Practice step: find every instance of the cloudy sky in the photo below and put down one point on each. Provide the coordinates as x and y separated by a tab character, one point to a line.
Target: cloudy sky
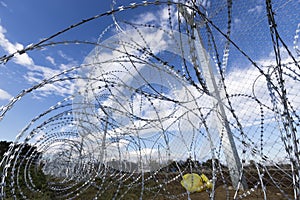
22	24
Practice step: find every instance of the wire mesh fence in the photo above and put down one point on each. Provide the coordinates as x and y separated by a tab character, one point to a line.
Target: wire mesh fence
170	88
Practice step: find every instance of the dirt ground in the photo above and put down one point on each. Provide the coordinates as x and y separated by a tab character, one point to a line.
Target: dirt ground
221	194
227	192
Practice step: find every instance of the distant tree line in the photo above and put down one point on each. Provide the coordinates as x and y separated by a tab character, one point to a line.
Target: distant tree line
15	185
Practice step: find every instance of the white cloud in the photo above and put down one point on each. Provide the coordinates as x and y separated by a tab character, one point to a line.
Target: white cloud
51	60
186	123
237	20
147	18
160	17
36	73
64	56
10	48
5	95
3	4
257	8
249	81
184	126
181	121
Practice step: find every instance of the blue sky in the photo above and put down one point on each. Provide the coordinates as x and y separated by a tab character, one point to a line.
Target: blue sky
22	24
26	23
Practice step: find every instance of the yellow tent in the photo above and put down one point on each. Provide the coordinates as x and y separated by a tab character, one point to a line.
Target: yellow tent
195	183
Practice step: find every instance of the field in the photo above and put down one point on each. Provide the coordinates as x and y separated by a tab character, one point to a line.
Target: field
101	182
164	186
